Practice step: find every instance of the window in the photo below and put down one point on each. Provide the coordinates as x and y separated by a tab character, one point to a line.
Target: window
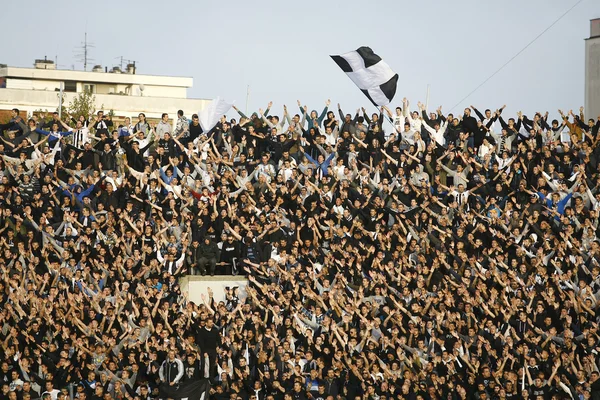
70	86
89	88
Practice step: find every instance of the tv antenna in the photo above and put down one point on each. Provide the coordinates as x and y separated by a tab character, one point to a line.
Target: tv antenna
125	61
83	55
58	66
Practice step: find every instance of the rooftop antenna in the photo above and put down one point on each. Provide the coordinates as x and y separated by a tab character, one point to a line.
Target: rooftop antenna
84	52
124	60
58	66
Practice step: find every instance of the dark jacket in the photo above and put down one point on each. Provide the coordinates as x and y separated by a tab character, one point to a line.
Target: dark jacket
210	339
209	250
136	160
469	124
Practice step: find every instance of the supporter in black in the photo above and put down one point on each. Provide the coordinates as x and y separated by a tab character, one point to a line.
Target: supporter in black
103	123
446	266
209	339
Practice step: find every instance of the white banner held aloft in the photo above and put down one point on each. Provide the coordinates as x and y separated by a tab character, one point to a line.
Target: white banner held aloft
209	115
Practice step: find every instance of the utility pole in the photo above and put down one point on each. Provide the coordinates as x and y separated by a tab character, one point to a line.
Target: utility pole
60	99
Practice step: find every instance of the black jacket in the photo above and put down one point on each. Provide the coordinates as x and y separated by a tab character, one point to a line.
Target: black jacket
209	250
136	160
469	124
209	339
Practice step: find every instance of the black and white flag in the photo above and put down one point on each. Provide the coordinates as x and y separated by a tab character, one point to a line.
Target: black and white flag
193	389
370	73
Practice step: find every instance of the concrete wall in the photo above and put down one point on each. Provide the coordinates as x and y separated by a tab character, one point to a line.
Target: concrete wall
126	106
98	77
592	78
129	90
195	286
28	84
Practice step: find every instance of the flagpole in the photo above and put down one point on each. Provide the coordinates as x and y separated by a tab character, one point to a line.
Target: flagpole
427	98
60	99
247	98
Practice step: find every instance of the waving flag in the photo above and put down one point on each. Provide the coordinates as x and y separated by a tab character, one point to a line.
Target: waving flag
210	114
370	73
195	389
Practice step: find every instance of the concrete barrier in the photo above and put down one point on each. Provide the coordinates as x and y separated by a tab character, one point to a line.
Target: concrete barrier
195	286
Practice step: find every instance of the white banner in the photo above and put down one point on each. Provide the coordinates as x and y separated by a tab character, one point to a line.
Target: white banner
210	115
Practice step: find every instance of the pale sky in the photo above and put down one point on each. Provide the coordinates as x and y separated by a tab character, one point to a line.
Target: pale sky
281	48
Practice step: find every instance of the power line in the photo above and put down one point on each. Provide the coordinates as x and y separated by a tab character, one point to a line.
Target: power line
516	55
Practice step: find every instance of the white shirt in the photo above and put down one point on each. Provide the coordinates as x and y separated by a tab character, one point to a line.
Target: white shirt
143	143
439	134
53	394
399	122
286	173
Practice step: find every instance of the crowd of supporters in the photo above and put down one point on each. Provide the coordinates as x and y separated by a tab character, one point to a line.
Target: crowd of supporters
405	254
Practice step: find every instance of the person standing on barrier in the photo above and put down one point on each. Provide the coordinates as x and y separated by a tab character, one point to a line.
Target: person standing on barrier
209	338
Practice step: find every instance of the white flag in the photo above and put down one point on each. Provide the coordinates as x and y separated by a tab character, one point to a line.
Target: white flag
209	115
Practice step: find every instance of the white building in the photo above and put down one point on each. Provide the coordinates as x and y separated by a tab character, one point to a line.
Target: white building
592	71
126	93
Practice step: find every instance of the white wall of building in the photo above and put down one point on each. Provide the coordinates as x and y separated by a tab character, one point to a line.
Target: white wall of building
28	84
97	77
31	89
126	106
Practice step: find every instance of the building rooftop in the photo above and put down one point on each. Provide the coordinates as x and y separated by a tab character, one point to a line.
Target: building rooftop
126	93
594	28
101	76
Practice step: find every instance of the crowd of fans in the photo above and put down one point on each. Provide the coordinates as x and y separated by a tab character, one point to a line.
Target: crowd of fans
434	256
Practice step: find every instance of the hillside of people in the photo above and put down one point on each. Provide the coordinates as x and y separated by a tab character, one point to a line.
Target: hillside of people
402	254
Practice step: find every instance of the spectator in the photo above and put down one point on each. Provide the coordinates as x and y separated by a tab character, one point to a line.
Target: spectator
171	370
163	126
441	257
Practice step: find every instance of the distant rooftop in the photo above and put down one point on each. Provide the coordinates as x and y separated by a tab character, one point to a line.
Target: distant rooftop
46	69
594	28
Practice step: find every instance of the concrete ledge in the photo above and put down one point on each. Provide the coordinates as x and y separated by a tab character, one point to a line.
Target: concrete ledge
196	285
217	278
